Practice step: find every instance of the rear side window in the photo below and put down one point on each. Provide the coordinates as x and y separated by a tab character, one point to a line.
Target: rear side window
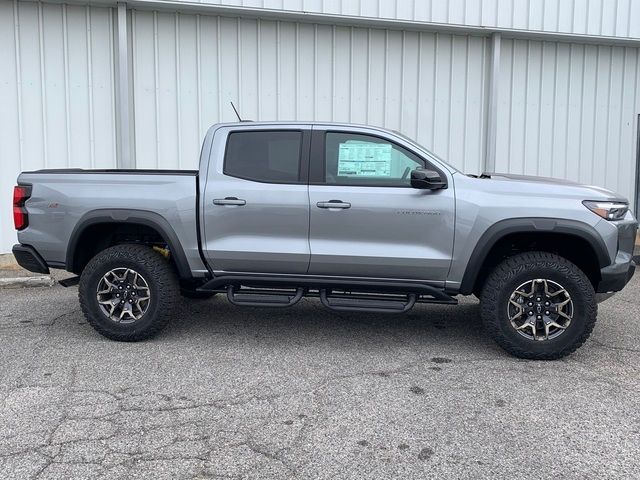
264	156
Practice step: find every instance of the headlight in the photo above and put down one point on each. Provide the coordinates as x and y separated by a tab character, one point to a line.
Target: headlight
608	210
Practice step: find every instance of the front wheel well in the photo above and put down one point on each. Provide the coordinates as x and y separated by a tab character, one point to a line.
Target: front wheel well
572	247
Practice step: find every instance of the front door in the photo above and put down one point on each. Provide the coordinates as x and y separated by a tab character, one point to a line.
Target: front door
256	203
366	220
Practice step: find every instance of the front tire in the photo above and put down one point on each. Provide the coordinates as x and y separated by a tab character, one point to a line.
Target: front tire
128	292
538	305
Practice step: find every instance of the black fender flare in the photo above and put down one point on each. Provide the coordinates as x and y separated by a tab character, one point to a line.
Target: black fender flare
506	227
133	217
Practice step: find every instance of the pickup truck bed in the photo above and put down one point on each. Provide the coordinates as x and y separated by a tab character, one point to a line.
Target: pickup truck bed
161	199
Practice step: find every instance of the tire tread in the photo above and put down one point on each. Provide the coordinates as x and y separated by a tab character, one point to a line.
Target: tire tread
163	274
508	269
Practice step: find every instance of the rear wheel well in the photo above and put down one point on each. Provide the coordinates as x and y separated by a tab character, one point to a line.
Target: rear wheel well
100	236
572	247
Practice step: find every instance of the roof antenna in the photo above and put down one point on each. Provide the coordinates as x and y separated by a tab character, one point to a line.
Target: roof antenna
234	109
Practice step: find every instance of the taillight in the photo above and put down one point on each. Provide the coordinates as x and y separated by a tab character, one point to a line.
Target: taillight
21	193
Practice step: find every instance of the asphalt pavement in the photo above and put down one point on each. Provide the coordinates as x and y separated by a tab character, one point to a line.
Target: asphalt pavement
229	392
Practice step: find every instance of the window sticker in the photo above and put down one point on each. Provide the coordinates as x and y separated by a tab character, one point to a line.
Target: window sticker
364	160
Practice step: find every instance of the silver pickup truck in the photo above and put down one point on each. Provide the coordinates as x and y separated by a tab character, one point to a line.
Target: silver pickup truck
362	218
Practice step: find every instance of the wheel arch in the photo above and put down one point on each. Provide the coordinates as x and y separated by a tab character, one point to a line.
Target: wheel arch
105	218
560	231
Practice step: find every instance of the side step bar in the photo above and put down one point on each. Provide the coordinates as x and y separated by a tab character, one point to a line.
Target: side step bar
368	303
263	298
351	295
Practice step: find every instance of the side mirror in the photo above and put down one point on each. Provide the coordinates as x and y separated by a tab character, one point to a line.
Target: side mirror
427	179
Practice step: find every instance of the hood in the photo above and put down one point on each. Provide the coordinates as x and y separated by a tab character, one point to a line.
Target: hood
599	193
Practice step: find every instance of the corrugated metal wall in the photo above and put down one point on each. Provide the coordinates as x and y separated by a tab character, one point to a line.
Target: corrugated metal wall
56	93
569	111
188	68
617	18
564	110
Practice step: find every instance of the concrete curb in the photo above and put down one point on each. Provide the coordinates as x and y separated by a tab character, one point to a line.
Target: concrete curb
21	282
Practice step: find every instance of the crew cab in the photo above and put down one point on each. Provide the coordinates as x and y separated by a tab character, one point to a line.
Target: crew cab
363	218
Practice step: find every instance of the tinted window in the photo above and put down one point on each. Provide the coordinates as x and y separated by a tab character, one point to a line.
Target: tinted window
354	159
272	157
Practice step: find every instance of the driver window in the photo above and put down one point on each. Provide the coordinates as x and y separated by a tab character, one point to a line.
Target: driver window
356	159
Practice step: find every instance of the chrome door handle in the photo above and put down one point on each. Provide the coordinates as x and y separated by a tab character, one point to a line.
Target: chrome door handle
333	204
229	201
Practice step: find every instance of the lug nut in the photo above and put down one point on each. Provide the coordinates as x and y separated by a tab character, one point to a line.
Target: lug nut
530	304
117	294
547	303
539	317
530	313
546	312
538	299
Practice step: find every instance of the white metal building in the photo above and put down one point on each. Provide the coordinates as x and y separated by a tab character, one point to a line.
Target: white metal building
543	87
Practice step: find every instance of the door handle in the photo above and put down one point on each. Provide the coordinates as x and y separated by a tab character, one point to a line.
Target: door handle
229	201
333	204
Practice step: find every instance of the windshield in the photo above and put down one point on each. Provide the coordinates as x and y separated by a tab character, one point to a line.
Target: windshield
426	150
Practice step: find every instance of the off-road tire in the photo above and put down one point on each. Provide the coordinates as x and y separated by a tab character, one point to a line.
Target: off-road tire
163	286
514	271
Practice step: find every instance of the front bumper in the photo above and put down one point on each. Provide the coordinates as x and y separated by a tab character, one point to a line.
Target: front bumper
615	277
29	259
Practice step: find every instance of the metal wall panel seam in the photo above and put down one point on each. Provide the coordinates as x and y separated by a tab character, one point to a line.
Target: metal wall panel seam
296	69
156	84
199	74
124	159
239	61
178	92
384	77
18	67
554	98
350	74
582	82
43	86
595	103
636	106
402	69
608	125
259	65
419	83
92	149
465	105
333	71
491	127
436	41
134	72
114	141
451	96
540	109
315	70
621	117
566	143
65	53
219	68
277	70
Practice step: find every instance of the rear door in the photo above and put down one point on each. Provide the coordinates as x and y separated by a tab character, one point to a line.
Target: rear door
256	203
366	220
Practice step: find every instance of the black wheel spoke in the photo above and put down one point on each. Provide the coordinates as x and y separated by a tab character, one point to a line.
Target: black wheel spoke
540	309
123	295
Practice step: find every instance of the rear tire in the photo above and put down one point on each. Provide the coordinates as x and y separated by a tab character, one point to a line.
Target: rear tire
518	291
113	287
